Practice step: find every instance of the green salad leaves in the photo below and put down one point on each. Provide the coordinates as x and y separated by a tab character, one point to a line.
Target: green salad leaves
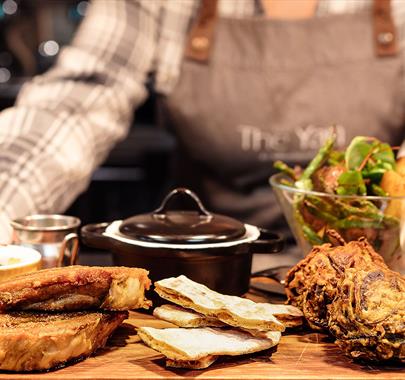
365	161
353	173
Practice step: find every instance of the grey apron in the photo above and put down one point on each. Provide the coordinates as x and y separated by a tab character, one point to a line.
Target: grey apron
252	91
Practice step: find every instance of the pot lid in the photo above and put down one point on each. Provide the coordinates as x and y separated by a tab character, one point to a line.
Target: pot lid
182	226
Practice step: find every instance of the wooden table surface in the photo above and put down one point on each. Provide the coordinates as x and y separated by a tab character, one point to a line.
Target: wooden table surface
300	355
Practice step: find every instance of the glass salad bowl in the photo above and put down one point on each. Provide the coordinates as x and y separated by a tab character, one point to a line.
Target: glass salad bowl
381	219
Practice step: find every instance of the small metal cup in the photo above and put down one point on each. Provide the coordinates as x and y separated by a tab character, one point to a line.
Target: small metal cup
54	236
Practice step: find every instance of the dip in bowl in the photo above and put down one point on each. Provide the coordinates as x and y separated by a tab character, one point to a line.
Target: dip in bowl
15	260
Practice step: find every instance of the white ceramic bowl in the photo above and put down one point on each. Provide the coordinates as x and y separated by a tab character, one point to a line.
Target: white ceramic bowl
15	260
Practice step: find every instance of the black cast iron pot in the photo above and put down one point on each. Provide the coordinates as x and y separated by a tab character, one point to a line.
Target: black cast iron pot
208	248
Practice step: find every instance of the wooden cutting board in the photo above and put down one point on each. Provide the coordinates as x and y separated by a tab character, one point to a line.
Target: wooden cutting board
302	355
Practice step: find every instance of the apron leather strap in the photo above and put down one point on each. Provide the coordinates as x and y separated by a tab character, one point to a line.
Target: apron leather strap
200	37
385	40
199	40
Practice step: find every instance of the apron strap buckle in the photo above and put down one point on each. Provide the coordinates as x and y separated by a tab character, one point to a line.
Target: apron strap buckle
199	40
385	40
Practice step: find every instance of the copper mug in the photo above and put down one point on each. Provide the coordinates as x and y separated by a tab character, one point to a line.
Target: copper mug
54	236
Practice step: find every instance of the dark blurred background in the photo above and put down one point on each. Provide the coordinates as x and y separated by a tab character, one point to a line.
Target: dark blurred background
135	176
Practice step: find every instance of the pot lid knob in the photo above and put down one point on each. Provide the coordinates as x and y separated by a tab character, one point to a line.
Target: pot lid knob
161	212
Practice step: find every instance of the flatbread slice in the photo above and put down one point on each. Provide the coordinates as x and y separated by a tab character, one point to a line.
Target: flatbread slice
179	344
185	318
289	316
232	310
272	335
188	318
76	288
192	364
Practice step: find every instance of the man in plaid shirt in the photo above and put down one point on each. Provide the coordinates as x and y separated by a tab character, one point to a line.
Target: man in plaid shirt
66	121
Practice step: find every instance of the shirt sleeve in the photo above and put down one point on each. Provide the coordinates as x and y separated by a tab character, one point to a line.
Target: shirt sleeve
65	122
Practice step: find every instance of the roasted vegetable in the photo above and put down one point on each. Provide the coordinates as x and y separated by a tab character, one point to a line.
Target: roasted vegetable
347	289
